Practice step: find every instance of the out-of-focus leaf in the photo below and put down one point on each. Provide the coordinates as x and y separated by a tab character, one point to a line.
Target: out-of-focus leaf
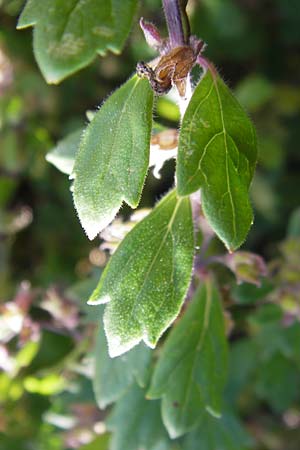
53	348
225	433
294	224
254	91
217	153
100	443
113	156
246	293
47	385
146	279
136	424
243	361
80	292
26	354
192	369
278	383
114	376
69	34
246	266
63	155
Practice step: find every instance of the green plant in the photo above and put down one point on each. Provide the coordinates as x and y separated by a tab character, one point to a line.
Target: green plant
167	266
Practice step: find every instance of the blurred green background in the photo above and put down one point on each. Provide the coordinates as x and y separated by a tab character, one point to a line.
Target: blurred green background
47	265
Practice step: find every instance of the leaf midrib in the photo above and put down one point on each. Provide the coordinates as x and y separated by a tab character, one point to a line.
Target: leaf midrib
147	275
207	311
226	160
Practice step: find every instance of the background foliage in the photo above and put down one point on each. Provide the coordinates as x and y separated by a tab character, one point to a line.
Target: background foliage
47	266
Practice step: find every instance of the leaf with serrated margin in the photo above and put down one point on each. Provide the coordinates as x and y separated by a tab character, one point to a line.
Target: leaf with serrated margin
146	279
136	424
217	152
113	156
113	377
69	34
191	372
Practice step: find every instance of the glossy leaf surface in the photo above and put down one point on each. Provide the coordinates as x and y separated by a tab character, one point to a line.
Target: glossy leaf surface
113	377
70	33
217	153
191	372
113	156
146	279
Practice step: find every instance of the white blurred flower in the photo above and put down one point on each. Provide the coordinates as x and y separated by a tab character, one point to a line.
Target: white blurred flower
163	147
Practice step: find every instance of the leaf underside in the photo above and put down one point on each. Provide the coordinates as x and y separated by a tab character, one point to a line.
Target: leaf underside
146	279
217	153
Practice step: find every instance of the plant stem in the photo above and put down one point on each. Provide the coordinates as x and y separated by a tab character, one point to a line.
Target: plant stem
173	14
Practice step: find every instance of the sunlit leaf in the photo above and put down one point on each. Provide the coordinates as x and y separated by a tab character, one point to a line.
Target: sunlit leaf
191	372
69	34
146	279
113	156
217	153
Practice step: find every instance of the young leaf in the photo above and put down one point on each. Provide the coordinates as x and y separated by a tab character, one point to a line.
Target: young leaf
217	152
148	276
191	372
136	424
113	377
225	433
69	34
63	155
113	156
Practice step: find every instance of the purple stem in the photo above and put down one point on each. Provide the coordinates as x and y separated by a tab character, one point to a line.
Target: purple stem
174	22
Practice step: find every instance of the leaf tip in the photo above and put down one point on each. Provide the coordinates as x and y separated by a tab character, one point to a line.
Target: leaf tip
98	301
213	412
117	348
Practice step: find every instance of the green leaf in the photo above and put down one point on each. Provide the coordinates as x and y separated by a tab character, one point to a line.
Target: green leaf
191	372
69	34
113	156
243	362
278	383
113	377
293	230
123	12
246	293
63	155
225	433
136	424
146	279
217	152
